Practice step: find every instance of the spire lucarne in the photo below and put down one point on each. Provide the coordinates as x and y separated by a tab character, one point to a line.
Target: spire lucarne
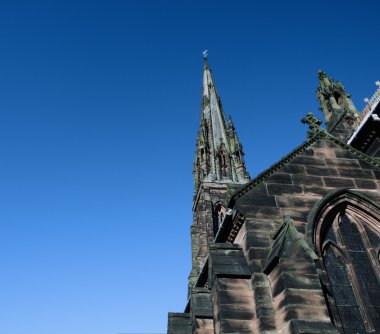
219	169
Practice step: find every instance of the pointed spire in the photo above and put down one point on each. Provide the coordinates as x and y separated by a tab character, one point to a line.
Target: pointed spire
219	156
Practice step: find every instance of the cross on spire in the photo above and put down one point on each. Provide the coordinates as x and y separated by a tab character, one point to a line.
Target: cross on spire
313	122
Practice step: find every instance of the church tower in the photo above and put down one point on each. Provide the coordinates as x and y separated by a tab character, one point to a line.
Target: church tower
219	170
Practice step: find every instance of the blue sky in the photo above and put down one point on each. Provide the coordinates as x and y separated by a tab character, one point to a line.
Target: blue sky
99	109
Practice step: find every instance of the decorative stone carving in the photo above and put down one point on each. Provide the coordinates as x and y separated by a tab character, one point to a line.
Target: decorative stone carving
313	122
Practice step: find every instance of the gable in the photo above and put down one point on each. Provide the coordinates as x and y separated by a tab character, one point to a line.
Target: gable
304	178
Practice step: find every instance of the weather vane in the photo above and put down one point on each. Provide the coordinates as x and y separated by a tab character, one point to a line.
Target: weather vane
205	54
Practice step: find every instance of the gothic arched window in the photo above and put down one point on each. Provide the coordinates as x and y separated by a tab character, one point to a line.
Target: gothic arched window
346	234
202	154
224	163
205	132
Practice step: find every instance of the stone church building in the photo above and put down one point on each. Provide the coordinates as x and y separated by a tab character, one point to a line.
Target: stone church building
297	248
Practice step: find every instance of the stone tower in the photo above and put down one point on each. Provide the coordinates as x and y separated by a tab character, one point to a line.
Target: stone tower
218	170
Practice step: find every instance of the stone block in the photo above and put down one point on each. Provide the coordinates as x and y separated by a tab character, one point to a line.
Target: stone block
307	180
255	265
179	323
321	171
264	309
294	281
259	239
315	190
281	178
340	153
366	165
267	325
356	173
376	172
294	169
308	161
240	312
339	182
237	326
260	225
234	284
234	298
282	189
262	294
229	260
203	326
297	267
345	163
300	297
366	184
256	199
297	312
201	303
301	202
260	280
257	253
259	212
297	215
231	270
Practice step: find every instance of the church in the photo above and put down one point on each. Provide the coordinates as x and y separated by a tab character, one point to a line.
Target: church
297	248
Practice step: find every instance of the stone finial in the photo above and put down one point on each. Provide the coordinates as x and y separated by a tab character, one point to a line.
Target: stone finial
321	75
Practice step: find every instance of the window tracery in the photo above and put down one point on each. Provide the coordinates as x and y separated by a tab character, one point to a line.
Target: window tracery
347	238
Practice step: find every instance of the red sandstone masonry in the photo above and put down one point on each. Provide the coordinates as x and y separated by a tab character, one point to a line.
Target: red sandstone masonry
296	188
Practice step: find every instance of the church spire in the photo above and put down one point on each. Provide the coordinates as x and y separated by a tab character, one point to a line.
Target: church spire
219	170
219	155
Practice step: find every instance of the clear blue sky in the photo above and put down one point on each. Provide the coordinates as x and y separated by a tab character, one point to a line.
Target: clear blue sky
99	109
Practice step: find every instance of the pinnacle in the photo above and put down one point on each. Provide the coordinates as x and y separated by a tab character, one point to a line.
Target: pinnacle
321	74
